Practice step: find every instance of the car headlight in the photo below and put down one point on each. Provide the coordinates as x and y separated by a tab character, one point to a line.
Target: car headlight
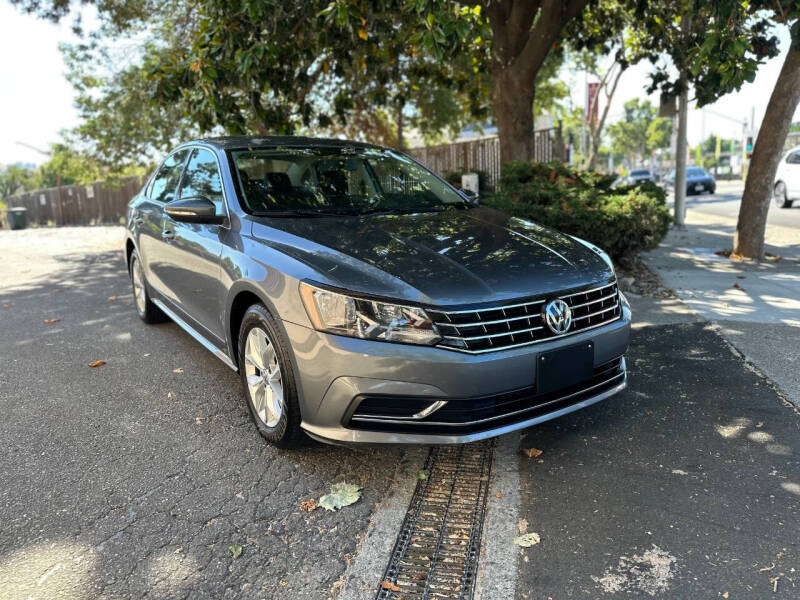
601	253
367	319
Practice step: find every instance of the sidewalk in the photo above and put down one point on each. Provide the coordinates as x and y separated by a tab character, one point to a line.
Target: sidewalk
755	306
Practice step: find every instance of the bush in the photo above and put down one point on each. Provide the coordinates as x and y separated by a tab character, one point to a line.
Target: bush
621	221
454	179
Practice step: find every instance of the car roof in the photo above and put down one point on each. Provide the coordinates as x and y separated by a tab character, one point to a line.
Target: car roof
270	141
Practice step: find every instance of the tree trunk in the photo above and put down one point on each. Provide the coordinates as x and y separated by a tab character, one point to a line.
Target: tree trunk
748	241
399	120
513	105
596	135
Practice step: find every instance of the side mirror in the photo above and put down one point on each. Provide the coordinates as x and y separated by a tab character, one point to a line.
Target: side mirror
197	209
470	196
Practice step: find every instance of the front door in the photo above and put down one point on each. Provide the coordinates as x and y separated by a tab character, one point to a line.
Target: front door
150	218
191	268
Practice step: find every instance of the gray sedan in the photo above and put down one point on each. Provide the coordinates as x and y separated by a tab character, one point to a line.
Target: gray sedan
365	300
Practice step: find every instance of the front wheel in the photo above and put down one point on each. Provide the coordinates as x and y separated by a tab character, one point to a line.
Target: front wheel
268	379
781	196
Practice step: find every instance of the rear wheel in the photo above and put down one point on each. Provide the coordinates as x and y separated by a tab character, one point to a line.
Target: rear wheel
268	379
781	196
147	311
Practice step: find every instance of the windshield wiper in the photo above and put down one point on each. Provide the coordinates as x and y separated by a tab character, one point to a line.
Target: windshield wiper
402	211
300	212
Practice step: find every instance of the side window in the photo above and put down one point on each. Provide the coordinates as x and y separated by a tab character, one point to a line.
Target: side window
793	158
166	180
202	179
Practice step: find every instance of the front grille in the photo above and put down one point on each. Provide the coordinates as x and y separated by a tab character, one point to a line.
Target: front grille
458	416
488	329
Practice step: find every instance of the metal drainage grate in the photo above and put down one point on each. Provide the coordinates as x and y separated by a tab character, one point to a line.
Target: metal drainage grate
436	552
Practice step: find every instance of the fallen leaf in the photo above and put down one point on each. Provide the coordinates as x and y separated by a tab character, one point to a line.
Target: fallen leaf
178	550
170	396
53	320
421	475
198	420
240	495
146	354
498	495
388	585
738	287
527	540
308	505
97	363
342	494
522	526
726	595
112	298
532	452
179	371
236	550
283	583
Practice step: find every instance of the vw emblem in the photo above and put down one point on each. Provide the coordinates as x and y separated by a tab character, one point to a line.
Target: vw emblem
558	316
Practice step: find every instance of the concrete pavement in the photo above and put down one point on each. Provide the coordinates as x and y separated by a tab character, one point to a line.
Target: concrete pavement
755	306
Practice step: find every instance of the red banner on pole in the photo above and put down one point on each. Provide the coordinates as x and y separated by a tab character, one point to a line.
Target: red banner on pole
592	97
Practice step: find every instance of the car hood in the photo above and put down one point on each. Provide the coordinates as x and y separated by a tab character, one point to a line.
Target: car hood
453	257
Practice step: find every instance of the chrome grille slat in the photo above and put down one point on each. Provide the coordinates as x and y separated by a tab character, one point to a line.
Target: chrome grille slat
490	333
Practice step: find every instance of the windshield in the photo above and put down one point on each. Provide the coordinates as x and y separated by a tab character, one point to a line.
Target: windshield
640	173
696	172
313	181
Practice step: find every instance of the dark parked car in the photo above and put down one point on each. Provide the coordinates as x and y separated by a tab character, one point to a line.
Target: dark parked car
364	299
699	180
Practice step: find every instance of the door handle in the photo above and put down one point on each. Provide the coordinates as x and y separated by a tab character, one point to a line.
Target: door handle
138	220
167	234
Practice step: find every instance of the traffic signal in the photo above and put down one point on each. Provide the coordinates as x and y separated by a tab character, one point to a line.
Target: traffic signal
748	151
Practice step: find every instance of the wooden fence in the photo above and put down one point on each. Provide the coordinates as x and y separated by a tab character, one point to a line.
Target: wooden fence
482	154
78	204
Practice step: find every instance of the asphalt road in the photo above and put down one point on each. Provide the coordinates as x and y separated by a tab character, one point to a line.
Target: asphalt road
134	479
726	204
130	480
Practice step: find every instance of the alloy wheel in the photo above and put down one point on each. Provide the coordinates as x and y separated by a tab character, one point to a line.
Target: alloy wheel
263	374
139	293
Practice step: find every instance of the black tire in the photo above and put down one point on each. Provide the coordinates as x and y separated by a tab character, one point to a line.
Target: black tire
286	433
147	311
780	196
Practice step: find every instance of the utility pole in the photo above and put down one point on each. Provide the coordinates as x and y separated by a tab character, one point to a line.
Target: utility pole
680	145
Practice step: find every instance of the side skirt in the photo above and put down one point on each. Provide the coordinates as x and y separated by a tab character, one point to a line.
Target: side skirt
207	344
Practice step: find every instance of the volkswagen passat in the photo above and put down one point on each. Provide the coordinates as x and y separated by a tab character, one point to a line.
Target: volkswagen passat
363	299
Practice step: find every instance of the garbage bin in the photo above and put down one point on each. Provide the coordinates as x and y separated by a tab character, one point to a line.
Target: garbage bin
17	218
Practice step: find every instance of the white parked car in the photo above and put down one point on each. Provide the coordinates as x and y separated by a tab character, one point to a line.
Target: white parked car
787	179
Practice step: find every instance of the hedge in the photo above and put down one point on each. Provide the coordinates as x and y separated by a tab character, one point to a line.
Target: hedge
621	220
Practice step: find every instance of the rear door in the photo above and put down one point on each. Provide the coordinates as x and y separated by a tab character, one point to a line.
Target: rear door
191	266
150	215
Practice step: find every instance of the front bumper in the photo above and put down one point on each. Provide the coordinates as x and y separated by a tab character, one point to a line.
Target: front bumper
495	392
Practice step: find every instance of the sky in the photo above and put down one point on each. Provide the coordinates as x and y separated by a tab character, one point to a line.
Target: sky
37	101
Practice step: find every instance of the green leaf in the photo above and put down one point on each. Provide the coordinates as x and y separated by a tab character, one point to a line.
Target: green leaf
236	550
527	540
421	475
342	494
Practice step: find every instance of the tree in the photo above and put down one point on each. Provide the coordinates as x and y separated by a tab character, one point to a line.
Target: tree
640	132
13	180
